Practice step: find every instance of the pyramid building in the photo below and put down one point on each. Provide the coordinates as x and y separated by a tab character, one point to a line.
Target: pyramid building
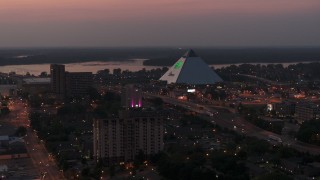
191	69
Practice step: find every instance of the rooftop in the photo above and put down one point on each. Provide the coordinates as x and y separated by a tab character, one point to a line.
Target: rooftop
36	80
191	69
4	138
190	53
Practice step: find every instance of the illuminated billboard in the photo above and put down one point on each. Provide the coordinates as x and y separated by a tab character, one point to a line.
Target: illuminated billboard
191	90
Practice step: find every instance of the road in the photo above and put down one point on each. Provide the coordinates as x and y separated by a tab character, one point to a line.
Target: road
264	80
36	149
237	123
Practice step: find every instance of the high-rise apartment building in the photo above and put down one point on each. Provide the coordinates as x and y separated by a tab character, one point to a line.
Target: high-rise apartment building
78	83
69	83
58	79
121	139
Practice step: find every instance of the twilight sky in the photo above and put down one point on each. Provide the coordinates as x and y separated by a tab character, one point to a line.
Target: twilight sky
114	23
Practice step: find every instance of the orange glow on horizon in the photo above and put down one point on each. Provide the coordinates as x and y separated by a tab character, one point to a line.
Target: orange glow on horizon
83	10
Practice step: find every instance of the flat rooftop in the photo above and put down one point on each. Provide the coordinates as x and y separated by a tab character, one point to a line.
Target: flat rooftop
36	80
4	138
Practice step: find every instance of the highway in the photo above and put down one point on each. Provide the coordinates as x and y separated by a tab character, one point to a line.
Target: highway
234	122
36	149
264	80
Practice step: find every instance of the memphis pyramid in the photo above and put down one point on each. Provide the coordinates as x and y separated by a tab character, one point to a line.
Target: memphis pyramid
191	69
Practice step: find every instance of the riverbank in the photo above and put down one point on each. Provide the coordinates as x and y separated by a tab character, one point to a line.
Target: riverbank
94	67
156	56
247	55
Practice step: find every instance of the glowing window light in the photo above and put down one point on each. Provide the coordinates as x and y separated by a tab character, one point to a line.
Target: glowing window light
178	65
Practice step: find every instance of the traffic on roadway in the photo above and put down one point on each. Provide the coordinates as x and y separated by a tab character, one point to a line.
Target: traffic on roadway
235	122
41	159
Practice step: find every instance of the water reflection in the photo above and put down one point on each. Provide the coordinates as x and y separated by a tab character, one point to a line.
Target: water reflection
36	69
131	65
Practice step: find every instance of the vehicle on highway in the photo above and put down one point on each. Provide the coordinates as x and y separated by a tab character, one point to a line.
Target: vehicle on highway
209	113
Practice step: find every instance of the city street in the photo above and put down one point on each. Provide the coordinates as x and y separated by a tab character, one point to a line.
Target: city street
234	122
36	149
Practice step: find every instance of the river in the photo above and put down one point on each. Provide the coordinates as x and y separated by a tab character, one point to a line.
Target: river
133	65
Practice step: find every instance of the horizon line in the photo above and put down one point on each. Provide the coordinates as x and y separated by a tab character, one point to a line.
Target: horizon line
165	47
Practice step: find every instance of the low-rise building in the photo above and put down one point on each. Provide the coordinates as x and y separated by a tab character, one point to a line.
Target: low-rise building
12	148
8	89
283	109
36	85
306	111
